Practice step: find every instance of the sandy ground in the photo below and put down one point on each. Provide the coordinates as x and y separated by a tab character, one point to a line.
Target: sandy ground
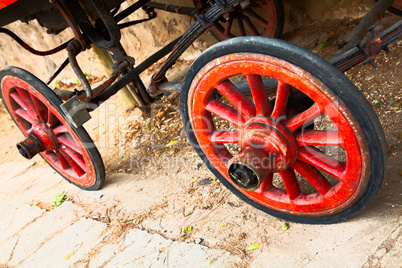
163	189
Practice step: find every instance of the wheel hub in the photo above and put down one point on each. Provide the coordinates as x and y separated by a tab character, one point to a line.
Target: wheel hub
266	147
40	139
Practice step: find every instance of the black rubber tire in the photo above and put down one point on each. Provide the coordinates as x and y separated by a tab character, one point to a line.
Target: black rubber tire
328	75
280	13
81	133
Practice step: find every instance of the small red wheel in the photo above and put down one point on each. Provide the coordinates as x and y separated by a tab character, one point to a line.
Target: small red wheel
261	18
311	150
35	108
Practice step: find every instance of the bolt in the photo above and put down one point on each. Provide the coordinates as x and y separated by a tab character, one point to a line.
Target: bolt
243	176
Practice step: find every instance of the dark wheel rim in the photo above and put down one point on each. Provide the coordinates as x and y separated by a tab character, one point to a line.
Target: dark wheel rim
263	125
259	19
37	117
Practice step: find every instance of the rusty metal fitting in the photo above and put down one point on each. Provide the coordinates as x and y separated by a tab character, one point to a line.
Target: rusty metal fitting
249	168
29	147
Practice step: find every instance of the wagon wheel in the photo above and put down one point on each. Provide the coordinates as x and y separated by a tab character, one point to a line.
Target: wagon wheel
396	7
35	109
265	149
261	18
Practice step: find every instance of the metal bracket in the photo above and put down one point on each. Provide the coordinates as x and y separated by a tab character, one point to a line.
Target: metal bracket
76	111
363	50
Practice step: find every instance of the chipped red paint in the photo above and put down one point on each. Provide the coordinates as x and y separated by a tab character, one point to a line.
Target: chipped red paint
35	116
4	3
279	132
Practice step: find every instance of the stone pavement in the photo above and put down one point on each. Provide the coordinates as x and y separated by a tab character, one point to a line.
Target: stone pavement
67	236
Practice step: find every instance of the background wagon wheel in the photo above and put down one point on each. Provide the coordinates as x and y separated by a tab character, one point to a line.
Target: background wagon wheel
396	7
261	18
321	163
35	109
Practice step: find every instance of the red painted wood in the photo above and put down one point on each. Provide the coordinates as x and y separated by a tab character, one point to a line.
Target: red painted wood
329	198
262	104
62	148
319	137
4	3
290	181
237	99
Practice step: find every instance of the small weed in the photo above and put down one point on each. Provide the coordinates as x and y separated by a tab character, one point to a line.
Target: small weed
58	199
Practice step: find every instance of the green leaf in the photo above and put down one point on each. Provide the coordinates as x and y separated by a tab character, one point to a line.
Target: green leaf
391	102
326	43
218	190
183	231
285	226
58	199
188	212
395	108
170	143
189	229
210	261
253	246
377	102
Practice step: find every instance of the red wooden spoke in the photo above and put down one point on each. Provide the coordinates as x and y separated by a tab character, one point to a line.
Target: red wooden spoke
51	119
20	102
77	158
319	137
72	164
315	178
225	137
290	181
241	27
60	129
27	99
282	96
225	112
318	159
251	14
262	105
63	162
67	141
237	99
266	184
303	118
40	109
24	115
228	27
250	26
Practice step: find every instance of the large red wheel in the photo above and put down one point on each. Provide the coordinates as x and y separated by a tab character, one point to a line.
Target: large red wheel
35	109
310	150
260	18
